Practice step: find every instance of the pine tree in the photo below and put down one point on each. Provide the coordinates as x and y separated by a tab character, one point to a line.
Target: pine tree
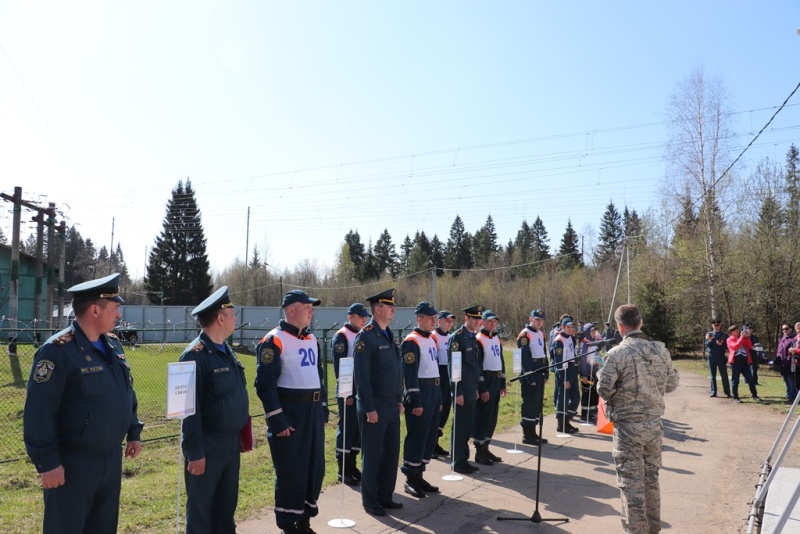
385	255
178	266
569	251
369	268
356	250
458	254
405	250
632	228
611	233
437	255
540	242
485	249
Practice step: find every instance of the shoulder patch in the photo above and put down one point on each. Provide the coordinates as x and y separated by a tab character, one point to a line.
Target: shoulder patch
523	340
410	357
368	328
63	340
198	347
360	346
267	355
43	372
454	346
338	348
559	351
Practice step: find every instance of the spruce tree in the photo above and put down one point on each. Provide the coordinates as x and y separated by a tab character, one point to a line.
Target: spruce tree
356	251
385	255
178	266
540	243
458	254
437	255
485	249
569	251
611	233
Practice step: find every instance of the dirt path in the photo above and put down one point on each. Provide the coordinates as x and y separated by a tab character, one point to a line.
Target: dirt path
713	451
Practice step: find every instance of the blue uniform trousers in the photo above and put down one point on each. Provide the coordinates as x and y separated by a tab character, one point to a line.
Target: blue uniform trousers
212	496
531	409
573	394
380	451
463	424
299	461
486	412
447	400
348	437
719	362
739	366
422	431
88	502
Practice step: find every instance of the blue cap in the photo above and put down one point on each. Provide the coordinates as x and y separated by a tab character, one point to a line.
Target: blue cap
296	295
588	327
489	314
444	314
537	314
218	300
385	297
567	321
474	311
425	308
102	288
358	309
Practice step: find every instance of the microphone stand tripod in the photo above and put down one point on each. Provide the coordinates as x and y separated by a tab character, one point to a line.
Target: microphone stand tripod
537	518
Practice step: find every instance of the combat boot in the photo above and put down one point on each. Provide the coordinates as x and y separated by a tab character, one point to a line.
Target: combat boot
348	479
425	485
481	457
352	466
491	456
569	428
413	487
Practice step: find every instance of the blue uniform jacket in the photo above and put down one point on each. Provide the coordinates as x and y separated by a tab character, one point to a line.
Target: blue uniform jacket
222	404
339	345
268	370
464	341
378	367
79	400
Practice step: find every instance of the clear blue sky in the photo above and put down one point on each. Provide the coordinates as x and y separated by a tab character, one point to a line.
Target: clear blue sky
327	116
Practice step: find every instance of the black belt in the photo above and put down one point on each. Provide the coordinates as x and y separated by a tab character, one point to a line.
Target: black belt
287	395
498	374
429	381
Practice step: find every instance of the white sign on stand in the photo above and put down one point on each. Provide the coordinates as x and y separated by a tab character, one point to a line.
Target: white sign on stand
181	389
455	367
345	377
517	360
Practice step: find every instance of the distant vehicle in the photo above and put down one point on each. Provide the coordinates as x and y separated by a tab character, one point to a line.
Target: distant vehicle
127	333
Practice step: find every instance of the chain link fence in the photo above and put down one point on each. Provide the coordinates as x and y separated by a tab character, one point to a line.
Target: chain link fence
149	349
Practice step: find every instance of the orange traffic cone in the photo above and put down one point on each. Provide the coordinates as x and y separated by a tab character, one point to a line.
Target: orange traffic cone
604	426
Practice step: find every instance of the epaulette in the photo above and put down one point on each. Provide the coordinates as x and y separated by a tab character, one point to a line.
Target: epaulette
198	347
112	335
368	328
64	339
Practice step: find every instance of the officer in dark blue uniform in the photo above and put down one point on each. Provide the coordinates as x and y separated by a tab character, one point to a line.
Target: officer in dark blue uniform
210	438
566	360
534	362
348	438
80	405
466	390
422	400
379	391
289	384
491	386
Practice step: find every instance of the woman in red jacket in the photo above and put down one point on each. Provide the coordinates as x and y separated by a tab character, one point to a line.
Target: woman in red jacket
739	346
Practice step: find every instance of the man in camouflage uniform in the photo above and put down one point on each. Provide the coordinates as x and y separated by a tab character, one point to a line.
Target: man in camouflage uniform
637	374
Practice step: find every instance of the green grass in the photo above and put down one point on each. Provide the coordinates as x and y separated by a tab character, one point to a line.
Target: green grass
150	483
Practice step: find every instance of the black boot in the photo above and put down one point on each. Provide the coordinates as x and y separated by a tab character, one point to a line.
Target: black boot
569	428
491	456
304	525
441	451
481	457
352	466
425	485
348	479
413	487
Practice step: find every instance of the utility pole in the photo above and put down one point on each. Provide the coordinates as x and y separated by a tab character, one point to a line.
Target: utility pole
37	285
433	288
13	305
247	240
62	233
111	251
51	225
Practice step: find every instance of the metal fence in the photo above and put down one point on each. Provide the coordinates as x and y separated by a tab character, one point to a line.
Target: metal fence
149	348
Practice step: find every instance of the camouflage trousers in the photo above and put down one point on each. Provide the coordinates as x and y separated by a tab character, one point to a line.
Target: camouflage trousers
637	455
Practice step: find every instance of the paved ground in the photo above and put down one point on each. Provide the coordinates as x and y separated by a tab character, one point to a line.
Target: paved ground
713	451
